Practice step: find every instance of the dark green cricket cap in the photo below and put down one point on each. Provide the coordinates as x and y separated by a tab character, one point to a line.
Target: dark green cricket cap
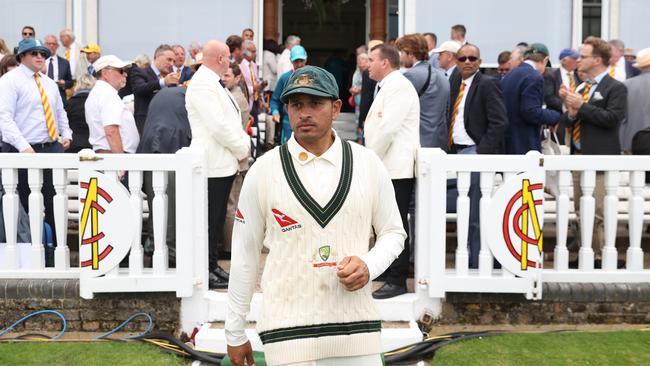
310	80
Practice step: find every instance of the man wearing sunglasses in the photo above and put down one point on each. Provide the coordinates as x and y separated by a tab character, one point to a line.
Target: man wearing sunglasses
32	118
110	124
477	125
27	32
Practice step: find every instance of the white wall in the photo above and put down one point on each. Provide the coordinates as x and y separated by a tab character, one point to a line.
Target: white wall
634	25
46	16
128	28
495	26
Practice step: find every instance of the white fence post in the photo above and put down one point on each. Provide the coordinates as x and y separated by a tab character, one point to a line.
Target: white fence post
635	222
136	255
485	259
462	223
587	212
159	213
561	254
10	202
62	252
35	181
610	256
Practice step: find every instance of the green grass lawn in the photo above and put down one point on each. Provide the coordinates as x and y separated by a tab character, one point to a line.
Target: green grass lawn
85	353
561	348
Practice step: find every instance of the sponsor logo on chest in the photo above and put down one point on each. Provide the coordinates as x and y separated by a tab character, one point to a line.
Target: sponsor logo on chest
286	222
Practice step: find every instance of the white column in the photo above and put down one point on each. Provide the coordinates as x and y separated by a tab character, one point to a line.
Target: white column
587	212
605	19
561	254
614	19
635	221
77	21
159	222
485	259
462	223
135	257
10	202
35	181
576	24
610	256
62	252
409	11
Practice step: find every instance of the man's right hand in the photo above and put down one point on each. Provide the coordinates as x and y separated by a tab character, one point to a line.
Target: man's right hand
241	355
276	118
172	79
28	150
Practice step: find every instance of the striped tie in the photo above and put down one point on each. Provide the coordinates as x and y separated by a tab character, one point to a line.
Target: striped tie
612	71
255	94
572	82
576	126
454	112
49	117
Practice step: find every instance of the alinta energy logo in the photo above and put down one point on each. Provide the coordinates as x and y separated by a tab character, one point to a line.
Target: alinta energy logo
90	214
524	220
286	223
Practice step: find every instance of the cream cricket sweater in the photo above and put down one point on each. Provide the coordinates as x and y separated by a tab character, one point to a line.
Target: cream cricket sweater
311	213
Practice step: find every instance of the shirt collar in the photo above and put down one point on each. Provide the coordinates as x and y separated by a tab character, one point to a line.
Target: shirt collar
27	71
332	155
531	63
155	69
599	77
469	80
390	75
564	71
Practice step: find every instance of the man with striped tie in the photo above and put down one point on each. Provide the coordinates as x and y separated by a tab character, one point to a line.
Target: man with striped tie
477	125
594	114
32	118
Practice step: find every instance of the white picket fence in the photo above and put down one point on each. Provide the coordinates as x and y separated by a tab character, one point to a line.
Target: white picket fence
627	201
26	260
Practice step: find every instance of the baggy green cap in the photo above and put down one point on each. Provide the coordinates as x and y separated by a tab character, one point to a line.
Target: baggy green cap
311	80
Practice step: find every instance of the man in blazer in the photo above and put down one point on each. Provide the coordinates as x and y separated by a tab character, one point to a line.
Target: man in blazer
392	131
638	108
477	125
620	68
368	86
58	68
595	112
523	92
432	88
146	82
215	121
567	75
179	64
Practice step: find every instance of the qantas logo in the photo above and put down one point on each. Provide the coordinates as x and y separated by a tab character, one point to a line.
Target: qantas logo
286	223
239	217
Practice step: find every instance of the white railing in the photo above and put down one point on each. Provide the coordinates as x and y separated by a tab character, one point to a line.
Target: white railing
26	260
627	201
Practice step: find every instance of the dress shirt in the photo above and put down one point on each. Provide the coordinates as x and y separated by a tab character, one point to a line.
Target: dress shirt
620	72
245	67
320	176
284	62
594	83
565	77
73	59
460	135
161	80
105	108
55	67
22	118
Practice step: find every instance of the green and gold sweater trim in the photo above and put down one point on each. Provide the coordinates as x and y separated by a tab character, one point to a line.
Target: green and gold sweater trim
320	330
322	215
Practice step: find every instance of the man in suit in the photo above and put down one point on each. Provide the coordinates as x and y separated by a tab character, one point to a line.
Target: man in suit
503	60
476	126
368	91
432	42
638	108
72	54
392	131
57	68
146	82
523	92
620	68
447	57
432	88
567	75
215	121
179	64
595	112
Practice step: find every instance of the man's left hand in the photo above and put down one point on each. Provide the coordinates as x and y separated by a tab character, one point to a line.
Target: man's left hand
353	273
66	143
574	100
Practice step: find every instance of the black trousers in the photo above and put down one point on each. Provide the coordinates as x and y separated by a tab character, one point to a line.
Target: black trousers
398	271
48	187
218	192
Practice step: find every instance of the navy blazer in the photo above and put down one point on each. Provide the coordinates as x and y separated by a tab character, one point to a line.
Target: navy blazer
523	92
485	114
145	85
64	74
186	74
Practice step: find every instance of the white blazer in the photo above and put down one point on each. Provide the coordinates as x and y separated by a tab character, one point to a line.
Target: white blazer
392	127
216	125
